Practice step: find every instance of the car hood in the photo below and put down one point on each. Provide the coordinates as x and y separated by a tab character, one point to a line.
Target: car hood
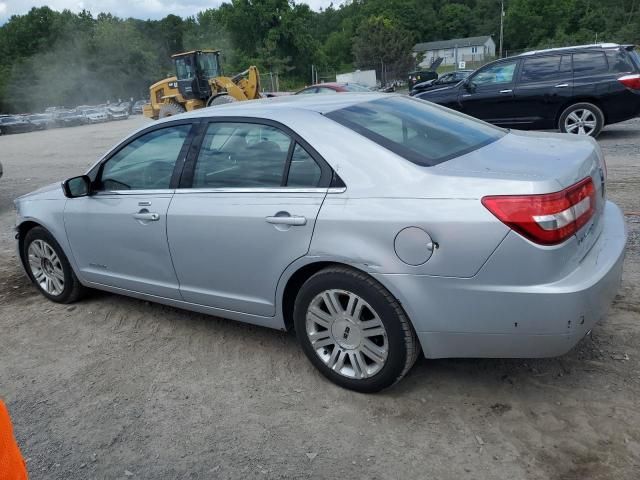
48	192
442	88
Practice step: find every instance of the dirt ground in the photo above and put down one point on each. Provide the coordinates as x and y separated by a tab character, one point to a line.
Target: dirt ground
113	387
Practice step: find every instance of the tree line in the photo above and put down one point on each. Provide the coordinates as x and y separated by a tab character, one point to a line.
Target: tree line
50	58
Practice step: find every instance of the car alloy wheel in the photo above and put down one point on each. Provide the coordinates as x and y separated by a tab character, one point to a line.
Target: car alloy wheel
581	122
347	334
46	267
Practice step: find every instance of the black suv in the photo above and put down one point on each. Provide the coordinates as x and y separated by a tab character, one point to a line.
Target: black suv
575	89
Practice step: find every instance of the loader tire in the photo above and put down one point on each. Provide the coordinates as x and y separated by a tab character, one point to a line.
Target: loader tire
220	100
170	109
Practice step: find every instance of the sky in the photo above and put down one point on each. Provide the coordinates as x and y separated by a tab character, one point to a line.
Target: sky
143	9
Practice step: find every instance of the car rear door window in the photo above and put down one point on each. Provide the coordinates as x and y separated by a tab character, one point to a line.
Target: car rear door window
147	163
539	69
241	155
589	63
303	170
619	61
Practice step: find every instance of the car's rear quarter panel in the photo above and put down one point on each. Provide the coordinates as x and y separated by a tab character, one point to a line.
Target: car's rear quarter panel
363	230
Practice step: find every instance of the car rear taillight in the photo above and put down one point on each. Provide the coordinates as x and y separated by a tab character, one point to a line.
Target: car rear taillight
631	81
546	219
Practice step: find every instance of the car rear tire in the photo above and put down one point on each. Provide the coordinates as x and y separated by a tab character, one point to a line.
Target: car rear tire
170	109
49	268
582	119
353	330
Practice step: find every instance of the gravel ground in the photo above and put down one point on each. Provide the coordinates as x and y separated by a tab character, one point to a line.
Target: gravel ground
113	387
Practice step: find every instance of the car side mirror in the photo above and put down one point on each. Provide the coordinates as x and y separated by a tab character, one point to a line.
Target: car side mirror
75	187
468	85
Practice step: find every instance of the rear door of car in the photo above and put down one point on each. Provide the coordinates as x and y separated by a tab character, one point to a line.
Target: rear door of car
591	75
545	84
245	210
489	93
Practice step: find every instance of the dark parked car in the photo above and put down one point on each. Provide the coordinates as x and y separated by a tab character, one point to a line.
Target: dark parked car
575	89
334	87
445	79
420	76
14	124
41	121
70	119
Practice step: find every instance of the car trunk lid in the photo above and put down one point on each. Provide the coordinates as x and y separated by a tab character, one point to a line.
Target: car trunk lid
517	165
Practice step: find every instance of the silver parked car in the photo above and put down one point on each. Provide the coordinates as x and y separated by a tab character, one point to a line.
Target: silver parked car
375	225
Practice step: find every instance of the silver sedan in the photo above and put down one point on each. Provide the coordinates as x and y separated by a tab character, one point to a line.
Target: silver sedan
376	226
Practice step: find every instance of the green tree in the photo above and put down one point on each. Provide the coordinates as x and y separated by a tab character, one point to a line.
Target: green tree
381	44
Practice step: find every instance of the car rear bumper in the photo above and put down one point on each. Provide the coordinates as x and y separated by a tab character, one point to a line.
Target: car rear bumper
456	317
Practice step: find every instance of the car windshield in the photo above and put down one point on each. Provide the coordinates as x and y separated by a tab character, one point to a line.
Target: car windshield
354	87
419	131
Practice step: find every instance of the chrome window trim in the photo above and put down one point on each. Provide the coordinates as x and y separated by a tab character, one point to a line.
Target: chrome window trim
105	193
289	190
186	191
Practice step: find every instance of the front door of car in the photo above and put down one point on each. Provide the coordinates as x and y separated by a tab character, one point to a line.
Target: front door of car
247	211
488	93
118	233
545	84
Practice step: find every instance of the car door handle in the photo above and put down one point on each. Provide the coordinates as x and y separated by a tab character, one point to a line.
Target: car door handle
149	217
506	91
286	220
562	85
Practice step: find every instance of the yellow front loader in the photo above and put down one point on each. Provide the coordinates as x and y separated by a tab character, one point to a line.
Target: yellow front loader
199	83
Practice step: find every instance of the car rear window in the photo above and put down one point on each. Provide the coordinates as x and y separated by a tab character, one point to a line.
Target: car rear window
423	133
619	61
635	57
354	87
589	63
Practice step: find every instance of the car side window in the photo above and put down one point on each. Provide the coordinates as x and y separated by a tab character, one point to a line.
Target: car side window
619	61
589	63
496	74
326	90
147	163
549	67
303	170
306	91
241	155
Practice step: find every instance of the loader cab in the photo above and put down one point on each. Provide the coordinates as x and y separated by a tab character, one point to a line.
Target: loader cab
193	71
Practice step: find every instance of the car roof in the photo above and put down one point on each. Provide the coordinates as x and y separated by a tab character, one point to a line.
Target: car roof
594	46
274	106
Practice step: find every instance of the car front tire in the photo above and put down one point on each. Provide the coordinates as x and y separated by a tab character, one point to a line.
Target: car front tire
353	330
49	268
582	119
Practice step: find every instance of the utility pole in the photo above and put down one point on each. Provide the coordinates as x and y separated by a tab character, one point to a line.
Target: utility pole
456	56
501	24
